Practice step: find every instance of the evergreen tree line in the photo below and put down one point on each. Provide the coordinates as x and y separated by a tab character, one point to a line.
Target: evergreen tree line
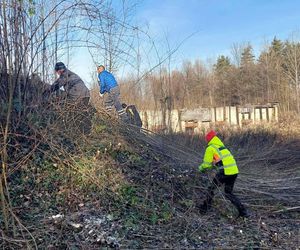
240	80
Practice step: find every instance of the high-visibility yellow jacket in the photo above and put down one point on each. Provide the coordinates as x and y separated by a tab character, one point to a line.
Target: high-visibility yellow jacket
216	153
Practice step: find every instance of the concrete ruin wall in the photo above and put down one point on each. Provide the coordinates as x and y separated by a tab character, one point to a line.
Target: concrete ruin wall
196	120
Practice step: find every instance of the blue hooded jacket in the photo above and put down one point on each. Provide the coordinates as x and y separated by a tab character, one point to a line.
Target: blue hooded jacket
106	81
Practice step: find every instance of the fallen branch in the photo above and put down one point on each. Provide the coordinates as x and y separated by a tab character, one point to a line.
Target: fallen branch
288	209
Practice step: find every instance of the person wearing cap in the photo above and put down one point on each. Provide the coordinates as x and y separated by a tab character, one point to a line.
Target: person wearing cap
109	89
76	99
219	157
73	85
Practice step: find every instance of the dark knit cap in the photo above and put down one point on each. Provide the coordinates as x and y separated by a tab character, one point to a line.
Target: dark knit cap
60	66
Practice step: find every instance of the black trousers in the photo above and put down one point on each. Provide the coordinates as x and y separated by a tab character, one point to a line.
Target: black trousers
228	181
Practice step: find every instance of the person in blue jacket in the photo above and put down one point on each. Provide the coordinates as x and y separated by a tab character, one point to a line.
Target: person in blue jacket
109	89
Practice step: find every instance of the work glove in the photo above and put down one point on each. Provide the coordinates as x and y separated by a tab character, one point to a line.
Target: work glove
101	95
54	87
202	169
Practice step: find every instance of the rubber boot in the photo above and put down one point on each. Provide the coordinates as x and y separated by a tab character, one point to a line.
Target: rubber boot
244	213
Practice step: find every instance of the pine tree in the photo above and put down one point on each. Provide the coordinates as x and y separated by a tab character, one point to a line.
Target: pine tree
223	69
276	46
247	56
222	65
247	75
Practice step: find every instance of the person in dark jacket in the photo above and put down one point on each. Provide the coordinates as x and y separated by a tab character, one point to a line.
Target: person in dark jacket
76	98
110	90
73	85
133	115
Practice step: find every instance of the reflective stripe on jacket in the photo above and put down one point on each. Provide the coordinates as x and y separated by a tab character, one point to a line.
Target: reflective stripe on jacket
216	152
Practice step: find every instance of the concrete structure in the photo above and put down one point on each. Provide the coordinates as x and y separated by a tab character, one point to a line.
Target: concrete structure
196	120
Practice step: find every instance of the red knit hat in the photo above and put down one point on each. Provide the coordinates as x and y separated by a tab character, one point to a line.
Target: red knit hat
211	134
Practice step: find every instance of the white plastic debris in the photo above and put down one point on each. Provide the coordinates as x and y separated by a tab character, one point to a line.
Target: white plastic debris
111	239
94	221
110	217
58	216
75	225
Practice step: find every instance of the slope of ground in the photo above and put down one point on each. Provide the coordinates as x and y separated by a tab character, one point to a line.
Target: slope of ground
119	187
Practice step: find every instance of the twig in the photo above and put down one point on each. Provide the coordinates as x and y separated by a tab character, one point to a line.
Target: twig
288	209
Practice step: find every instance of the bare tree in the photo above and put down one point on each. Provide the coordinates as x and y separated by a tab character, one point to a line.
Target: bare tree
291	66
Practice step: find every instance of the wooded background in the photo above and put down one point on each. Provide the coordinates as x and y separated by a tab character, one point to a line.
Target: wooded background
272	76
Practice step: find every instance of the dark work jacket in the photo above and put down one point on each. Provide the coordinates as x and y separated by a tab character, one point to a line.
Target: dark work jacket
73	85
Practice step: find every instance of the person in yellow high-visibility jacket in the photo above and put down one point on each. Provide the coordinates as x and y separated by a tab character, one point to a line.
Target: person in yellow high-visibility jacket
219	157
